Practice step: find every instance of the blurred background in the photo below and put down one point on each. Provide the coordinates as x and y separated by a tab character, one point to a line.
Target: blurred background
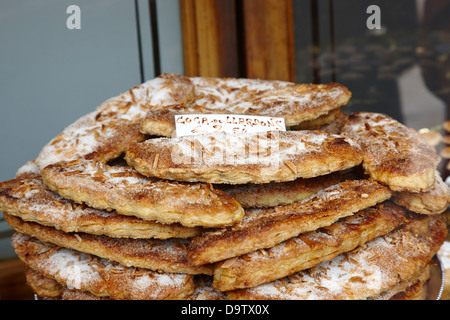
51	74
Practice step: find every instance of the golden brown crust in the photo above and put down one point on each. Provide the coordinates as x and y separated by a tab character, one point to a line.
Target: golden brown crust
264	228
76	252
122	189
417	291
244	158
48	288
273	194
434	201
393	154
105	133
296	103
411	289
43	286
364	272
158	255
100	277
308	249
317	123
31	200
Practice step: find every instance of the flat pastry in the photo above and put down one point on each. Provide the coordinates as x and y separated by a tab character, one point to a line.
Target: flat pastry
296	103
100	277
31	200
122	189
49	289
42	286
413	289
434	201
266	227
417	291
255	195
244	158
308	249
168	255
365	272
113	208
106	133
393	153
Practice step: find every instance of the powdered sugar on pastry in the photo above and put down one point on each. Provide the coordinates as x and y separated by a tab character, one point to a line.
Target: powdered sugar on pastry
246	96
393	154
167	255
31	200
122	189
29	169
100	276
105	133
364	272
295	103
246	157
264	228
308	249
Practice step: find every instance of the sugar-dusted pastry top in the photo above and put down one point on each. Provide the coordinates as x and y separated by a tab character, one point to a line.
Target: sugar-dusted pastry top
266	227
364	272
122	189
168	255
105	133
296	103
393	153
244	158
308	249
100	277
31	200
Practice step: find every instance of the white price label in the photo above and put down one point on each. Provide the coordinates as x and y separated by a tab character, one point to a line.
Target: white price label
191	124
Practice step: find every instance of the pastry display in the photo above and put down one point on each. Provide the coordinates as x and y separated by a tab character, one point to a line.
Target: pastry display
337	205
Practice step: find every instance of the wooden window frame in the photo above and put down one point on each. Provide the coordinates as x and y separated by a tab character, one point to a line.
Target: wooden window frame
238	38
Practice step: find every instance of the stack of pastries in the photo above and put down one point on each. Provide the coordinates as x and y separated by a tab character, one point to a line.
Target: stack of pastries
339	206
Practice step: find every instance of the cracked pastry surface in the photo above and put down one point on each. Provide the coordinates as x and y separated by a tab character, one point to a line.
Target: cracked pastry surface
244	158
393	153
266	227
122	189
